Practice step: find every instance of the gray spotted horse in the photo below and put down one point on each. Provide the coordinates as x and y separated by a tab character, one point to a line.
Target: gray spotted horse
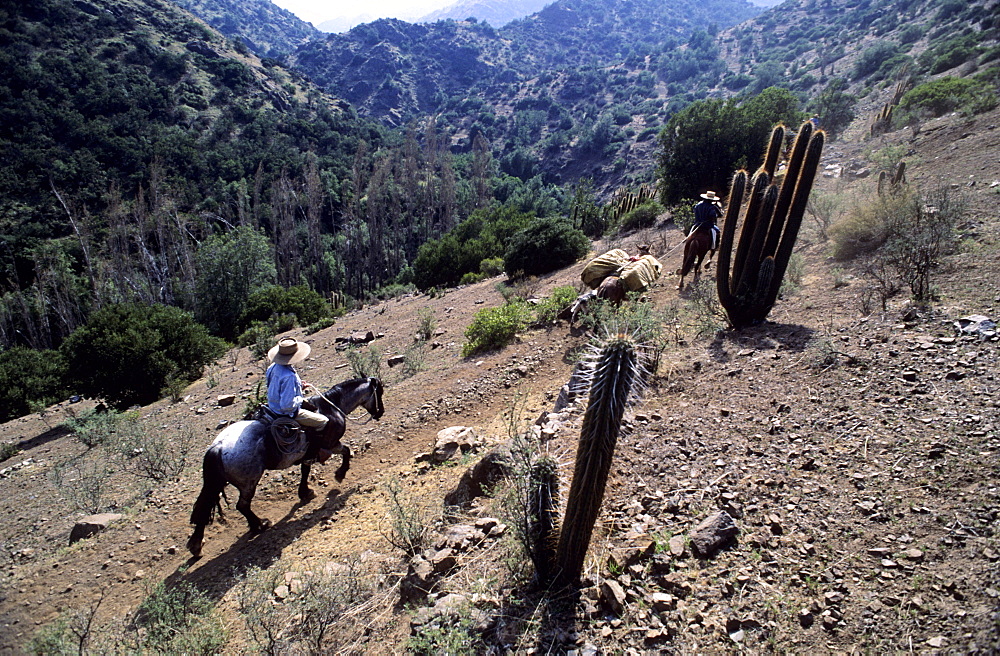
241	453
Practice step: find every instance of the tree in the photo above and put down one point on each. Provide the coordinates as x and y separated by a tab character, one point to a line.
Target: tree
307	306
545	245
29	379
127	353
230	267
834	106
705	142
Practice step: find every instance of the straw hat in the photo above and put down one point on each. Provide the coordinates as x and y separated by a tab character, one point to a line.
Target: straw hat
288	351
710	195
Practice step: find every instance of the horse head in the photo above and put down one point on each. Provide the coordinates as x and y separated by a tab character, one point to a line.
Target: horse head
374	402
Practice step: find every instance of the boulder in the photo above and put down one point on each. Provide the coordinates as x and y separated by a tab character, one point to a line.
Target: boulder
92	525
481	477
452	440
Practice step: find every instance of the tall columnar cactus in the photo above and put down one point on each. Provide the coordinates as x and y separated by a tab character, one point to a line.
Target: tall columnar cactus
617	372
748	282
543	515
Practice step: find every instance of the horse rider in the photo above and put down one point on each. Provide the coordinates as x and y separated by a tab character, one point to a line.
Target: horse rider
706	213
284	388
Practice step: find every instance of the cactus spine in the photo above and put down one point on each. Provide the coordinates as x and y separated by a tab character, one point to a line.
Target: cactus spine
748	283
617	371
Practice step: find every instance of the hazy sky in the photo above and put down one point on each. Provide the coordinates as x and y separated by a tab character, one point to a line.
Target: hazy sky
317	11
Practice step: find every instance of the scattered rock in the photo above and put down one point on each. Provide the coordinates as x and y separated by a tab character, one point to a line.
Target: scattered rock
452	440
481	477
91	525
612	596
716	532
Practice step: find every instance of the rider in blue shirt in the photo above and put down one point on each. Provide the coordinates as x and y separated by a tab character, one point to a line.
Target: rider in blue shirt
284	387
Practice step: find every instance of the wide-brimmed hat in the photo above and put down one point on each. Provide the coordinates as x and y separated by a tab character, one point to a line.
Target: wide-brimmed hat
710	195
288	351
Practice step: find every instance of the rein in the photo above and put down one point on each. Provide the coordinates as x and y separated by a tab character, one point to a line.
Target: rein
346	416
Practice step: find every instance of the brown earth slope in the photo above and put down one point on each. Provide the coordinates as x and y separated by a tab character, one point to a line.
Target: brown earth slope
858	455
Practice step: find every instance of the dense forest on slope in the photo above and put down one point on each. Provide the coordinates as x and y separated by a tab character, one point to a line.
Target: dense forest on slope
134	133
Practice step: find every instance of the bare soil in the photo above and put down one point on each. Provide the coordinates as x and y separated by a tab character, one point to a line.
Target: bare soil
857	454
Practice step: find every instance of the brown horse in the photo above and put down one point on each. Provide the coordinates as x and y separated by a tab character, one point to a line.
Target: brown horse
695	247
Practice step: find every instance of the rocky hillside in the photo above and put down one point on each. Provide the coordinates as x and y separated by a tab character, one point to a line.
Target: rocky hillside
855	454
496	13
262	26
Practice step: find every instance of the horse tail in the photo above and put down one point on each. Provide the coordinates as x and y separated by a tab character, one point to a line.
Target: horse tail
213	486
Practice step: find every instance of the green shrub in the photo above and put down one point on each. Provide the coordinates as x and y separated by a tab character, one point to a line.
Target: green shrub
365	363
683	214
494	328
179	619
125	353
872	58
298	305
470	247
426	324
938	97
29	380
471	278
544	246
95	428
259	337
491	267
643	216
8	450
561	298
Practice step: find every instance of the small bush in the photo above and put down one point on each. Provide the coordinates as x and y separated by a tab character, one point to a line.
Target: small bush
86	481
322	324
426	324
793	274
491	267
561	298
494	328
864	228
158	455
643	216
259	337
95	428
179	619
888	158
825	209
414	360
8	450
365	363
408	523
683	215
471	278
947	94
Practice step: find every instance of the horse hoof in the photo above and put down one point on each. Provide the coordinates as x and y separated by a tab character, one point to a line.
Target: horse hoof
195	548
263	526
339	475
308	495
